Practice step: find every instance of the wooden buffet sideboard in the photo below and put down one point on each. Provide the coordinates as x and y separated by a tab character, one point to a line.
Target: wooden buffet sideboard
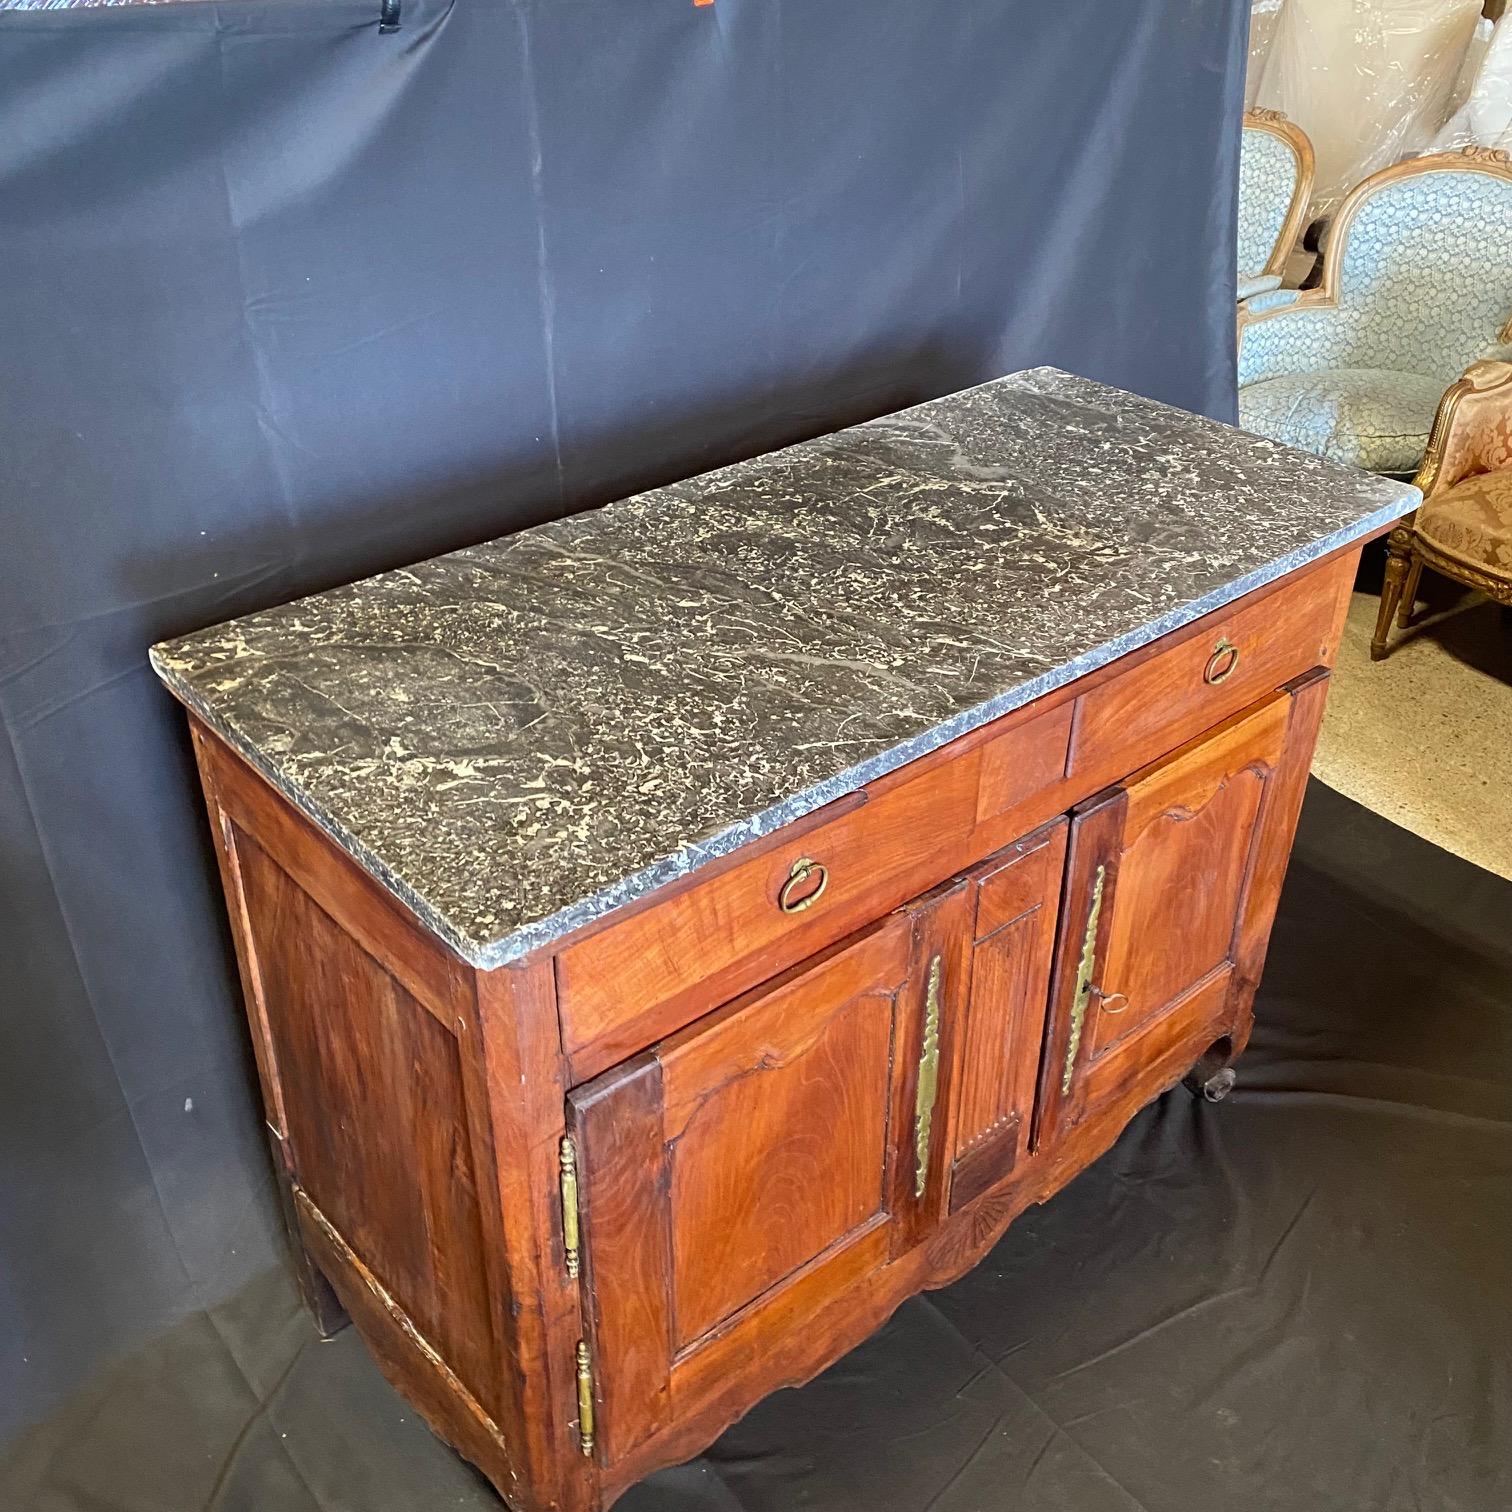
588	1204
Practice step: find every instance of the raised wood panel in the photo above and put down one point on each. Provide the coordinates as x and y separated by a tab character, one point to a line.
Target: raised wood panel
726	1173
1189	835
779	1149
997	1045
376	1116
1160	886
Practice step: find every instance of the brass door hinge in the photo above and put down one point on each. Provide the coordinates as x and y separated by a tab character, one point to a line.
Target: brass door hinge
572	1242
585	1398
929	1079
1084	971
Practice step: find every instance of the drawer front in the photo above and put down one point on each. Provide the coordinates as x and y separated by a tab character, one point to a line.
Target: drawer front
645	976
1205	675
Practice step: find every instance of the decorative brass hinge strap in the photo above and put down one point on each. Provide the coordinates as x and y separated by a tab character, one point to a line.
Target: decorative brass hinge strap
929	1078
572	1244
1084	970
585	1397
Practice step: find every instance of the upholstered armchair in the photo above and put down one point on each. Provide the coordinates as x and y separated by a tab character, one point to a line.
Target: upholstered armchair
1275	182
1464	527
1416	285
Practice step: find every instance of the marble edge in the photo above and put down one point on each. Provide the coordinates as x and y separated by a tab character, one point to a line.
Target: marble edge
537	934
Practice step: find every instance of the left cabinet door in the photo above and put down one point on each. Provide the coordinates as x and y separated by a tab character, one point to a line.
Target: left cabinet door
748	1170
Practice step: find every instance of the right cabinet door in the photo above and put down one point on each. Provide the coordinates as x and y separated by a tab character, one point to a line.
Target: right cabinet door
1172	882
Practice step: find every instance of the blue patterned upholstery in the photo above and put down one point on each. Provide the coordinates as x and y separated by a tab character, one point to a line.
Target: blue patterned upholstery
1367	417
1268	169
1419	288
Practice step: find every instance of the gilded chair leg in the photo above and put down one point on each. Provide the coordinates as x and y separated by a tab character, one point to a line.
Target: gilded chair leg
1410	592
1398	558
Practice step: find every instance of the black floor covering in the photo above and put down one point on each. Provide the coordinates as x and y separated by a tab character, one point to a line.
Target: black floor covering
1297	1301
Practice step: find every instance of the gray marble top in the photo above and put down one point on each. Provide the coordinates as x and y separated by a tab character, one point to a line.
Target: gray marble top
521	736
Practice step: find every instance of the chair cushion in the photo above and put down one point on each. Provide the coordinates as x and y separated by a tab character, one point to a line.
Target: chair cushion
1373	418
1473	521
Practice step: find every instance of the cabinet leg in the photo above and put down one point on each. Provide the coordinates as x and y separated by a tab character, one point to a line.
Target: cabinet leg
325	1308
317	1294
1213	1077
1215	1088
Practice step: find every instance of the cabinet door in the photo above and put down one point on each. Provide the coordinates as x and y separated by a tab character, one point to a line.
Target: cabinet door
751	1168
1172	884
996	1034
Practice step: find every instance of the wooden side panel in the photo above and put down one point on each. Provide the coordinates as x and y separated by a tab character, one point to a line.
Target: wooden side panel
997	1052
374	1104
450	1300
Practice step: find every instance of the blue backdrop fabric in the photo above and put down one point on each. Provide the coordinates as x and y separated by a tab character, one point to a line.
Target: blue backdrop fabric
287	301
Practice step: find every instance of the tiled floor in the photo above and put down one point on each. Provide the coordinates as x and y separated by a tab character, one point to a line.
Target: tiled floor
1425	736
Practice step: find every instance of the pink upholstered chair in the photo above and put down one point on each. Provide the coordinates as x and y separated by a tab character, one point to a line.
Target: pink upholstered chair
1464	527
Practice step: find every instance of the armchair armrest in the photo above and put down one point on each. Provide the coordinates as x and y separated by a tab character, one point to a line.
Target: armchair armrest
1472	431
1290	331
1258	283
1261	300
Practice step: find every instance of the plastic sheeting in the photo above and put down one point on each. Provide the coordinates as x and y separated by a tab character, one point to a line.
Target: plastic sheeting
1295	1301
1265	20
287	301
1370	81
1484	118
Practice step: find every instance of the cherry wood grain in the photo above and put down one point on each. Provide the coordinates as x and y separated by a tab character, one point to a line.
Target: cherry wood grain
736	1158
717	939
745	1087
1176	848
356	1051
1155	707
628	1275
997	1051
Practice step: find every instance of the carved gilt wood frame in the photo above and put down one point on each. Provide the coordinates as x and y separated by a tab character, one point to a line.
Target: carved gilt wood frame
1488	160
1276	124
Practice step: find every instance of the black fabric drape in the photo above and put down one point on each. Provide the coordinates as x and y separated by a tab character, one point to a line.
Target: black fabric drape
1292	1302
286	300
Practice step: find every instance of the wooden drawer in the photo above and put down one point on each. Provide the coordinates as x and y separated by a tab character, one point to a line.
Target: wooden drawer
1202	676
687	951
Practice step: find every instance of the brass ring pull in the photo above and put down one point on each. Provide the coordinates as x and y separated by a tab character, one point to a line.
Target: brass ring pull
803	869
1104	999
1221	663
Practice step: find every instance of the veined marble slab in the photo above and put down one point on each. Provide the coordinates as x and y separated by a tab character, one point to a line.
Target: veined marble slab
519	737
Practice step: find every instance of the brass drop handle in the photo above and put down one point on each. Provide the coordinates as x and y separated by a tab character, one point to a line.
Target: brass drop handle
1221	663
788	895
